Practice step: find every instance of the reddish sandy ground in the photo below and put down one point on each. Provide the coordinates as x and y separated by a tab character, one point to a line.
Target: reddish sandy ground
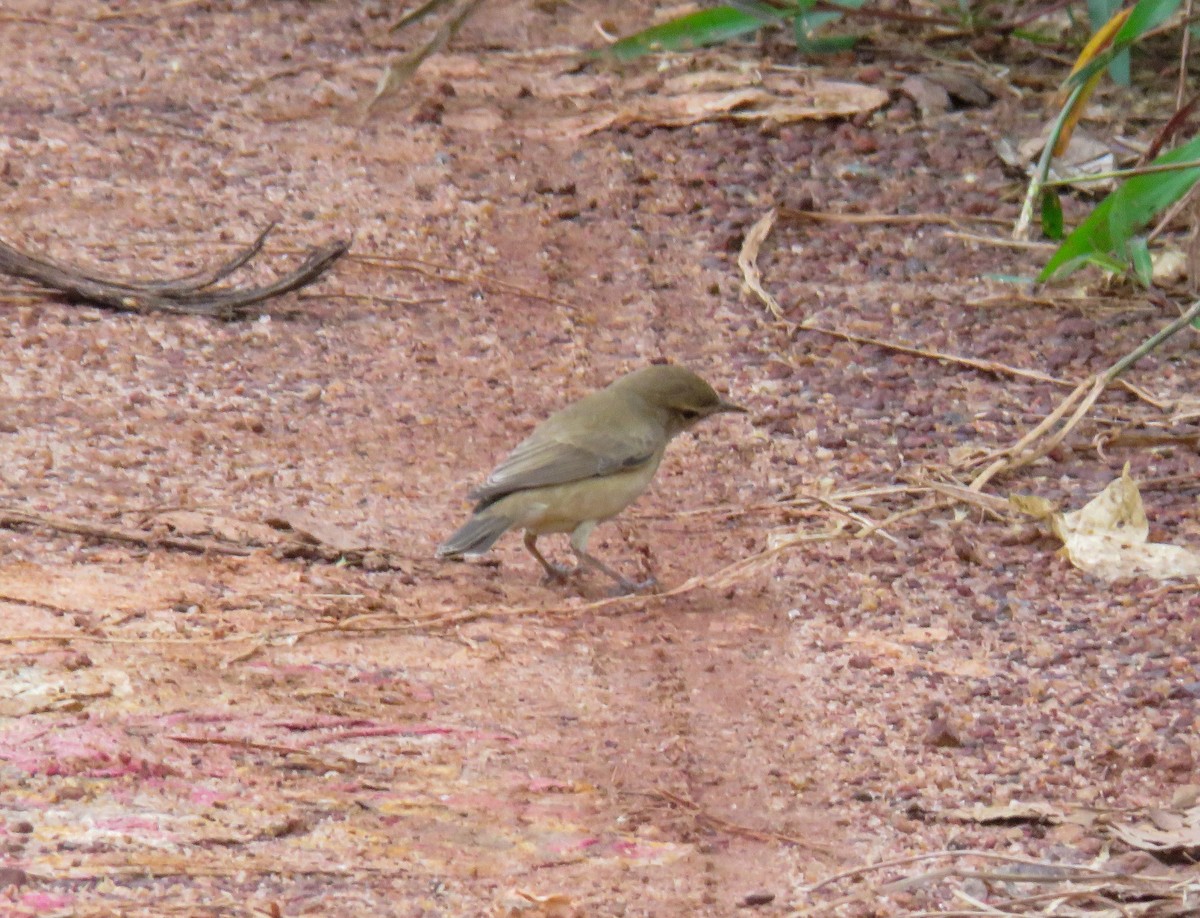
198	734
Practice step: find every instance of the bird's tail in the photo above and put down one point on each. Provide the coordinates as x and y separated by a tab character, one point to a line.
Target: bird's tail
476	536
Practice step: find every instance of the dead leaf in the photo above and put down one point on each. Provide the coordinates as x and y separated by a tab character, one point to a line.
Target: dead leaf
192	524
316	531
931	98
748	261
1043	813
1086	155
400	71
1108	536
814	102
963	88
942	734
185	522
566	103
517	903
1170	266
1185	797
1032	505
33	691
1177	832
1099	41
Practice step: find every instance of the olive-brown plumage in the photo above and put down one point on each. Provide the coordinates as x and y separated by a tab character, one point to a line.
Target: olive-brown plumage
586	463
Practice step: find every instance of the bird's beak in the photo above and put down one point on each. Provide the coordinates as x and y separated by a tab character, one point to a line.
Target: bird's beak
730	406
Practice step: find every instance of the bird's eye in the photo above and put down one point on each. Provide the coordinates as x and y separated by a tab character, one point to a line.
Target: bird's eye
688	414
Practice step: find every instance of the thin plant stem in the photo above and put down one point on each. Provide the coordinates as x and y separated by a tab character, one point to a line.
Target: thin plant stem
1123	173
1151	343
1184	50
1039	180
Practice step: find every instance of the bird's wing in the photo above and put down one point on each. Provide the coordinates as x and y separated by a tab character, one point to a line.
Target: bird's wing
558	452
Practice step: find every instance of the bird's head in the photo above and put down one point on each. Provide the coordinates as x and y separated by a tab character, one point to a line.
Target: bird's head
682	396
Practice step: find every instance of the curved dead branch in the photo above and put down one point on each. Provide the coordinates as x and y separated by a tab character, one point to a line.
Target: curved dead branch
187	295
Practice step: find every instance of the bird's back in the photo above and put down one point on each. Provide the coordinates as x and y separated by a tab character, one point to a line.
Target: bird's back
606	432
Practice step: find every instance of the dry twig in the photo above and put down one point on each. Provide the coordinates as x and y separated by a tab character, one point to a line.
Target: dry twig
187	295
12	516
1049	433
294	543
1049	873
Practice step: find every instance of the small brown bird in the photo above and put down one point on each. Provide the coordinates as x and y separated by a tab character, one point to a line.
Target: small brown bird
585	464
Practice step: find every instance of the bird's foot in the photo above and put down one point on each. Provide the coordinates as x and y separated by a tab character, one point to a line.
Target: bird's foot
557	573
627	587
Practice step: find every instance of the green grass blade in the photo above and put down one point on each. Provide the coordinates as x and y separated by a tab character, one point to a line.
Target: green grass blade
1147	15
768	13
1108	229
808	43
1100	12
693	30
1052	215
1143	267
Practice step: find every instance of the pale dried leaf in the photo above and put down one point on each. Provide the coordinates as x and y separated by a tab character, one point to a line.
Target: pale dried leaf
1186	796
1009	812
568	103
931	98
748	262
1107	537
725	99
961	86
192	524
518	903
1032	505
1087	155
1114	560
318	532
33	691
1162	831
1116	512
186	522
1170	266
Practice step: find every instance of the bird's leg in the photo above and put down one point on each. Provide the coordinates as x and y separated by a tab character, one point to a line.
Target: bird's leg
555	572
624	584
579	545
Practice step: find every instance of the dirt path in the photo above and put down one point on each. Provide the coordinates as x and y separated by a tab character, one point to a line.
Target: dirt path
178	735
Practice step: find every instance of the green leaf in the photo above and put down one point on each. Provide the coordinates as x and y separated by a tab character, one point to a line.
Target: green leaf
768	13
829	45
1100	12
736	18
1147	15
1107	230
1107	263
810	22
1038	38
1143	267
1052	215
1118	69
807	24
1008	278
694	30
1120	219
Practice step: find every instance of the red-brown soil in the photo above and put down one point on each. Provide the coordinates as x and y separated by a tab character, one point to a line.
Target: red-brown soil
188	734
